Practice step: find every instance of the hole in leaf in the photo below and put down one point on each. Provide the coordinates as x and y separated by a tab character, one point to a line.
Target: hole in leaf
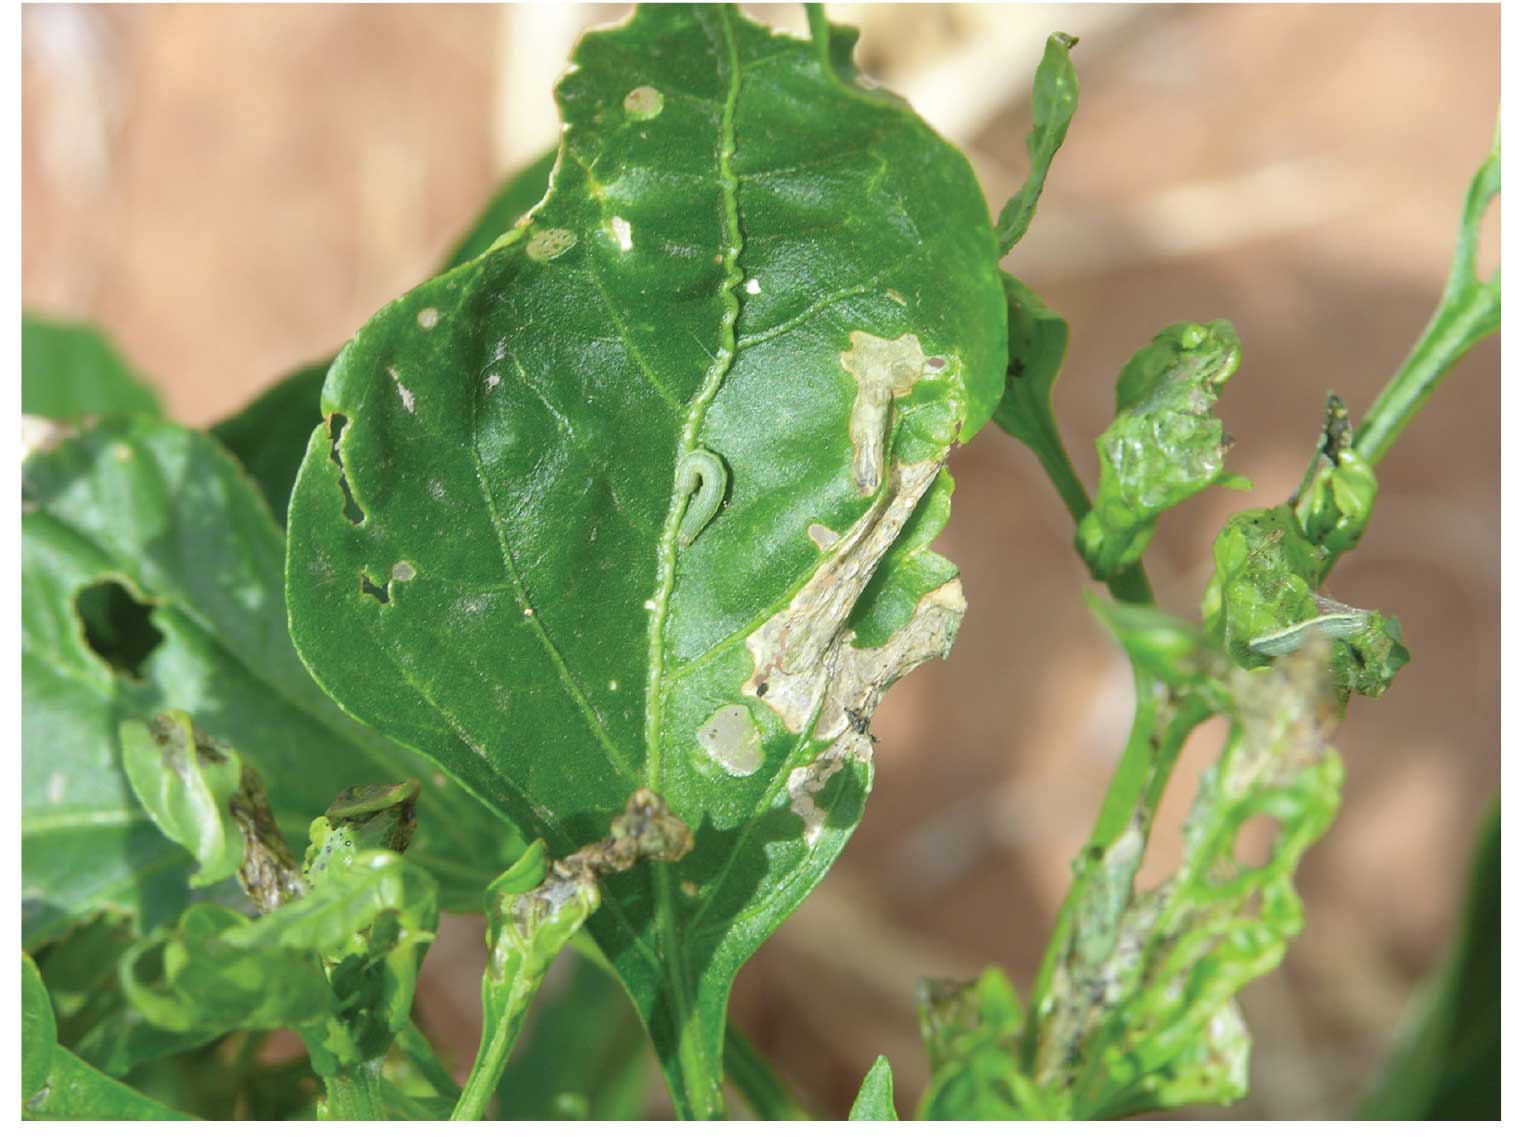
350	508
1165	847
117	628
379	592
1254	840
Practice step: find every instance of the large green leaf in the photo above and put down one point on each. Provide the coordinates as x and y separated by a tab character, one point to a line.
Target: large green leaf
58	1085
269	434
165	513
71	370
748	271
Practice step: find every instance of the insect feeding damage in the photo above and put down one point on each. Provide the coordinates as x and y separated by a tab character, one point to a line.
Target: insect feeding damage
730	737
645	831
884	370
805	666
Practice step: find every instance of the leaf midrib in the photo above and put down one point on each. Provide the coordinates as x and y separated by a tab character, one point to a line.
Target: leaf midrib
686	1016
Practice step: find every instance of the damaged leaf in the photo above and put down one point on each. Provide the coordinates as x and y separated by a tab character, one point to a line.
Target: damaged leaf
1262	603
1139	1012
1164	445
1054	99
536	907
268	436
743	253
163	517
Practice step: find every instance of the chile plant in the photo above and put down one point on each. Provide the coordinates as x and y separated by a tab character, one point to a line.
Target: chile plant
566	594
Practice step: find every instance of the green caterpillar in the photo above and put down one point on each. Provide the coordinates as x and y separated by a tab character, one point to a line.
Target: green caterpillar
1334	626
702	474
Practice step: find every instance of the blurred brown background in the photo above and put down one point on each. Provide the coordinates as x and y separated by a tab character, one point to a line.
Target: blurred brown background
231	191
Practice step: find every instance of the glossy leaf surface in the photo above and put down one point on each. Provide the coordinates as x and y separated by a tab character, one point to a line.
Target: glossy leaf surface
269	435
745	261
162	512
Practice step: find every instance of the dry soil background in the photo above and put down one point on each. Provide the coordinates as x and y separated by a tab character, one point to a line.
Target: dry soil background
231	191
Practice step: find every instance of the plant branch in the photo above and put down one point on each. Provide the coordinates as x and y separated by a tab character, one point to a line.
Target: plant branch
1468	311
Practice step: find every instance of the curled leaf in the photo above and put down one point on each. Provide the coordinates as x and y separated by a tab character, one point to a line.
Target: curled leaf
1262	603
1164	445
1054	99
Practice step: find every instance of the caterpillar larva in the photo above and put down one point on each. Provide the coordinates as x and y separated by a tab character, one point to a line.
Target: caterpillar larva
1335	626
702	474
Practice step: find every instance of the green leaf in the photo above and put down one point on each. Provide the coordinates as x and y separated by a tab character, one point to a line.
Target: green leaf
972	1032
875	1098
269	435
56	1084
507	209
186	788
1054	99
193	979
71	370
752	273
1164	445
95	1020
1038	343
39	1033
1444	1065
161	516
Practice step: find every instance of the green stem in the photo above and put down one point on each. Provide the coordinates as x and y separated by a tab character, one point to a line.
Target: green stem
501	1030
417	1048
1459	323
356	1093
758	1082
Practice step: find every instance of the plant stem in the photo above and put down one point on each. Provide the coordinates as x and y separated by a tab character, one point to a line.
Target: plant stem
417	1048
356	1093
758	1082
1460	322
501	1029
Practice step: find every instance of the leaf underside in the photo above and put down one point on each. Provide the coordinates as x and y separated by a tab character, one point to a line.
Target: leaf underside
741	256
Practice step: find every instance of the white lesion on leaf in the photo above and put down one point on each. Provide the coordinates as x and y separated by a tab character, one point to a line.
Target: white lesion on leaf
884	370
806	667
823	535
620	229
730	737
